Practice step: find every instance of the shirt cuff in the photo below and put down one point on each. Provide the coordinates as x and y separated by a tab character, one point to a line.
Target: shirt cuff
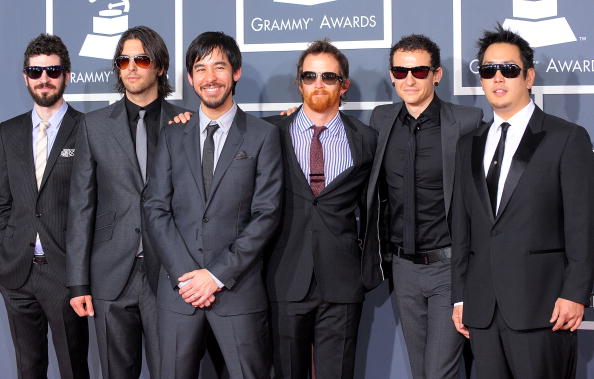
458	303
217	281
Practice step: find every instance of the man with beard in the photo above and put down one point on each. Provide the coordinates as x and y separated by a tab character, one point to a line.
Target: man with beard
212	204
112	270
414	171
37	150
317	273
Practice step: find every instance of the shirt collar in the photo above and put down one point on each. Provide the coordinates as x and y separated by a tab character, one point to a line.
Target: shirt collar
55	120
304	124
517	121
224	122
430	113
153	110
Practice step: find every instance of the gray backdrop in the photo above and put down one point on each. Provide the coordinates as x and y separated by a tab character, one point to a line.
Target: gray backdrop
271	33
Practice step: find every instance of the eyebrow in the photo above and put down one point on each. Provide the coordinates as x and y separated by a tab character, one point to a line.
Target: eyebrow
196	65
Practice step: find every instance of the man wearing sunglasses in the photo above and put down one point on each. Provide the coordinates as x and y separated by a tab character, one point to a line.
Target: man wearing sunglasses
316	272
112	270
37	151
523	217
413	171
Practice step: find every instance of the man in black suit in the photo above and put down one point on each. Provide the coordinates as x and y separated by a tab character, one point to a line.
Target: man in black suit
317	273
212	204
36	155
414	172
111	268
523	221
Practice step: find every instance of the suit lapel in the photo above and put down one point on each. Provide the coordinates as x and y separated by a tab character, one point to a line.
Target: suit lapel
66	128
478	171
291	158
118	124
232	143
388	119
532	137
450	133
191	145
25	150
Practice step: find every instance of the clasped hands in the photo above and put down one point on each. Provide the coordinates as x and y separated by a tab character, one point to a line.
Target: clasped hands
199	288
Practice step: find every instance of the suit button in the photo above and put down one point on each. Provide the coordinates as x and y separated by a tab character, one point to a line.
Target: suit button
137	230
37	215
315	202
205	220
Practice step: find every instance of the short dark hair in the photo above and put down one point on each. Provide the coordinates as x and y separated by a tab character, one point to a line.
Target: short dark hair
154	47
501	35
204	45
414	42
47	44
324	46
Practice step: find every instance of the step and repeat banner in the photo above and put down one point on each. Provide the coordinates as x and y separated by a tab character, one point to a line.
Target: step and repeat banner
271	35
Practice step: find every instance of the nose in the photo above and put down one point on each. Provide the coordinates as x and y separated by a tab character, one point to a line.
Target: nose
410	79
498	76
318	83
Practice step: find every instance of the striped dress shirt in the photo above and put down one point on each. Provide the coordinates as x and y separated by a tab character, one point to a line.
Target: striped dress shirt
335	145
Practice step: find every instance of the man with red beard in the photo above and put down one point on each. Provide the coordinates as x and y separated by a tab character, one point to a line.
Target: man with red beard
316	272
37	150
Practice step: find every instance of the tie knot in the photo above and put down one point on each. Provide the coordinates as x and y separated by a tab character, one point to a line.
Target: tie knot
141	114
318	130
43	125
504	127
212	128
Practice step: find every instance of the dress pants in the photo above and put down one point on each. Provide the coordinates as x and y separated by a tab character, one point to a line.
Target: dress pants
503	353
332	329
422	298
42	300
121	325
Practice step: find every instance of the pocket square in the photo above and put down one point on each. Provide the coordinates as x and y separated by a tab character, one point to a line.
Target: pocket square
67	153
241	155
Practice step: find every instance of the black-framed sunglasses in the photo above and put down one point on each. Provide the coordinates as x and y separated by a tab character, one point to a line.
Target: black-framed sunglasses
35	72
419	72
329	78
508	70
141	60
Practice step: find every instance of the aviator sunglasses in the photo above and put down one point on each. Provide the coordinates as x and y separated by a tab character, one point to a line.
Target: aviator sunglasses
508	70
141	60
419	72
329	78
35	72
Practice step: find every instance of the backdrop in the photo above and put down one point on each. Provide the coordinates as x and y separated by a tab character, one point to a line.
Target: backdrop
271	33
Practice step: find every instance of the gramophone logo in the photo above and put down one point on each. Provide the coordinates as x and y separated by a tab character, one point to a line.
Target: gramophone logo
108	25
537	22
304	2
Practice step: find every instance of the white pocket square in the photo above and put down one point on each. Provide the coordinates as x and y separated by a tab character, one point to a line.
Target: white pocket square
67	153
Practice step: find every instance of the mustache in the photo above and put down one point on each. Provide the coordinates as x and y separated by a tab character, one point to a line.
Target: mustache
320	92
45	85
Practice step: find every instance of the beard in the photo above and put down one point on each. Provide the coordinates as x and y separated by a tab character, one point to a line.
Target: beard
215	103
46	99
321	103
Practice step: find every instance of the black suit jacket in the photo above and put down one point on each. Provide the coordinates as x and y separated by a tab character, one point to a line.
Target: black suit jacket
322	235
105	226
539	246
225	233
25	210
455	121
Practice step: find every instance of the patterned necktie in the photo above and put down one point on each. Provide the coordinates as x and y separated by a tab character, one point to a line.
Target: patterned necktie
41	151
495	168
141	143
317	180
208	157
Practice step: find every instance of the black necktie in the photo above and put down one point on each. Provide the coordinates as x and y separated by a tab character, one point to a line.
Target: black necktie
208	157
495	168
409	224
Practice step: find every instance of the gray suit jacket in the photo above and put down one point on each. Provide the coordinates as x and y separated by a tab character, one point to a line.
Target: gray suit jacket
104	219
225	233
456	121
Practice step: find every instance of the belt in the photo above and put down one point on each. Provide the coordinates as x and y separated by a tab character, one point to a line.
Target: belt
40	260
424	257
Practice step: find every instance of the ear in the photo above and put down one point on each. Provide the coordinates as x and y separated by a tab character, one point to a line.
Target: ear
237	75
67	78
161	72
190	79
530	77
26	79
437	75
344	87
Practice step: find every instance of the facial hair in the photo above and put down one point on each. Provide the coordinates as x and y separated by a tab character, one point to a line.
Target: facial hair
47	100
214	104
319	103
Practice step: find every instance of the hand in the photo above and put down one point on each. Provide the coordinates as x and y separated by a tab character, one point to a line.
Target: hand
200	288
289	111
83	305
457	318
567	314
180	118
207	303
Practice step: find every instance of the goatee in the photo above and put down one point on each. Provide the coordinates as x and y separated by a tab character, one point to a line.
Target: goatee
46	100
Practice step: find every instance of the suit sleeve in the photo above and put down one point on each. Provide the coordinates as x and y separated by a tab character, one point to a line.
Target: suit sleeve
460	228
81	215
577	177
265	209
161	230
5	192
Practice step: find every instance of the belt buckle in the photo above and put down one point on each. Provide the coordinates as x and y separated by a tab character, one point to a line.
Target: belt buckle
421	259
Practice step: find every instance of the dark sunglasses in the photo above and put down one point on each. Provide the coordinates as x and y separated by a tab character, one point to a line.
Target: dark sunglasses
329	78
142	60
35	72
508	70
419	72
